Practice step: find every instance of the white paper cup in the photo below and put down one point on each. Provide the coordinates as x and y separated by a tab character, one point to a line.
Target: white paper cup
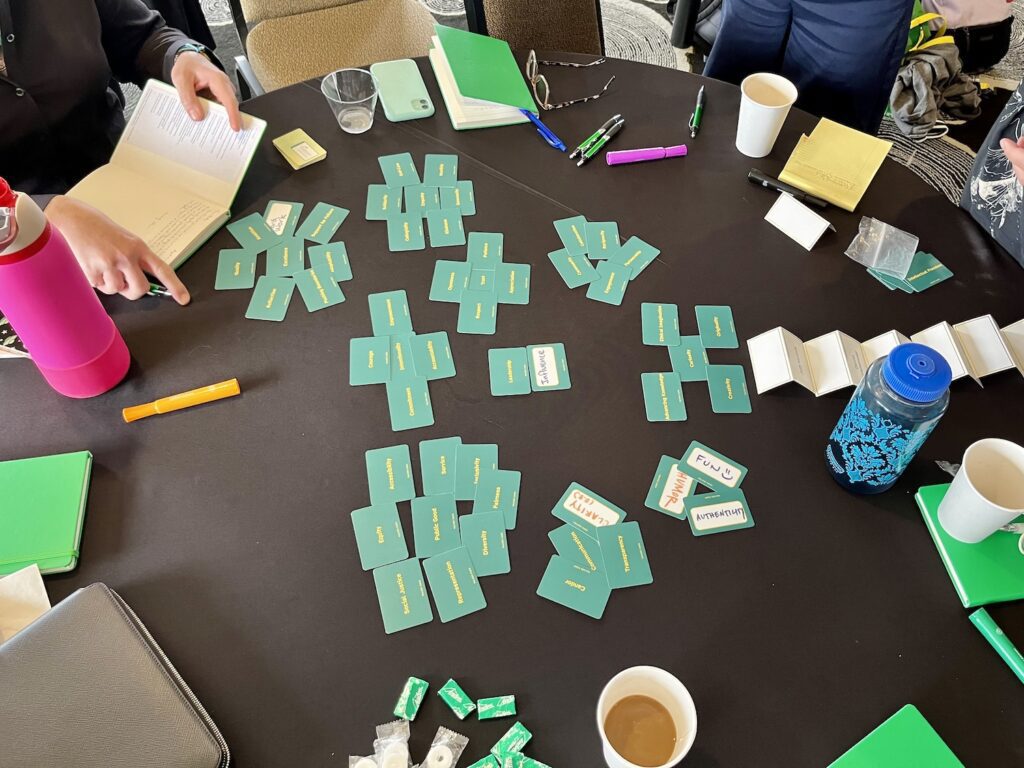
660	686
766	100
987	492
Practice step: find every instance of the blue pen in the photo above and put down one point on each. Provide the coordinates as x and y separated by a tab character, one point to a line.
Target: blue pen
544	131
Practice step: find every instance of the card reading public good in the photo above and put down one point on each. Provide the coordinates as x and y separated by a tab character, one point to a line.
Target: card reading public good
663	397
287	258
389	474
405	232
509	371
460	196
472	461
409	403
669	489
602	239
709	467
576	546
478	312
717	329
635	255
445	227
451	278
281	217
498	491
610	284
454	584
624	555
435	524
728	387
513	282
382	201
484	250
379	535
236	268
368	360
331	259
403	366
252	233
586	511
575	586
318	289
573	234
402	594
437	465
718	512
925	271
441	170
689	359
271	298
483	534
389	313
432	355
399	170
660	324
483	280
322	222
420	198
549	367
574	270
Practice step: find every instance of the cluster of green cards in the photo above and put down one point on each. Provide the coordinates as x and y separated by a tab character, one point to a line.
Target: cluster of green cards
400	359
278	233
925	271
522	370
585	242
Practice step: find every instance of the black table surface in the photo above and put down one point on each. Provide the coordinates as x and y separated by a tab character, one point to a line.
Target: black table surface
227	527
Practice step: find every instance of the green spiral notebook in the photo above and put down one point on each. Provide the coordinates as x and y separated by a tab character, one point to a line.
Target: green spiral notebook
905	740
42	507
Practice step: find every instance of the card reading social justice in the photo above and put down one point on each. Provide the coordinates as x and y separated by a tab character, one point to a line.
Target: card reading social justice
689	359
716	326
472	460
438	459
399	170
549	367
432	355
669	489
483	534
498	491
573	233
236	269
402	594
728	387
718	512
322	222
382	201
252	233
576	546
409	403
484	250
454	584
389	474
660	324
271	298
379	536
663	397
709	467
586	511
575	586
624	555
282	216
368	358
513	283
389	313
509	369
450	279
435	524
332	259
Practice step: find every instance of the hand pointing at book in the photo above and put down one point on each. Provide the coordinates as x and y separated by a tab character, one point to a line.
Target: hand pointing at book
192	73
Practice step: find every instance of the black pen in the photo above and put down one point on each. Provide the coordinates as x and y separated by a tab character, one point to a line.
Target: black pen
594	136
599	144
757	177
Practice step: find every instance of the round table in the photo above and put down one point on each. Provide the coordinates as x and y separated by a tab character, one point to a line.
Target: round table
227	527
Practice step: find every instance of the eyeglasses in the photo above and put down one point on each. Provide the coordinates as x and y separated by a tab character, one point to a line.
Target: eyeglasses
542	92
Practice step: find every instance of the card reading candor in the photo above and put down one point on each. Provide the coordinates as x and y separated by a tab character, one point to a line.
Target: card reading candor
585	510
711	468
549	367
718	512
575	586
669	489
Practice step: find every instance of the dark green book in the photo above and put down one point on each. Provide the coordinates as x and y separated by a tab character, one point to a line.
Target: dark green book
905	740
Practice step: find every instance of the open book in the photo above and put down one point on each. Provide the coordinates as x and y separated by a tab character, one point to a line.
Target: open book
171	180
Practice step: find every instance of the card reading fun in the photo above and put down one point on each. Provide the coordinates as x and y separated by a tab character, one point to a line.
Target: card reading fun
368	360
549	367
635	255
382	201
450	279
402	594
711	468
663	397
660	324
602	239
441	170
669	489
573	233
513	283
718	512
379	536
624	555
331	259
509	369
281	217
585	510
322	222
252	233
389	313
399	170
689	359
575	546
437	465
287	258
271	298
318	290
478	312
405	232
498	491
421	198
717	329
409	403
484	250
575	586
454	584
389	474
483	534
472	460
435	524
236	268
432	355
445	226
610	284
728	387
460	197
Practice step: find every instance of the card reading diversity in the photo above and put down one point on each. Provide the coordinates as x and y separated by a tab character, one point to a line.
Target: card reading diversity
402	594
718	512
484	250
322	222
660	323
435	524
368	358
716	327
389	474
281	217
669	489
483	535
624	555
438	460
498	491
663	397
472	461
331	259
586	511
236	269
575	586
382	201
709	467
549	367
379	535
577	547
454	584
451	278
389	313
399	170
271	298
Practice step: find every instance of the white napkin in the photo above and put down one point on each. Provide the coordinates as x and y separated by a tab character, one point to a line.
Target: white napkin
23	599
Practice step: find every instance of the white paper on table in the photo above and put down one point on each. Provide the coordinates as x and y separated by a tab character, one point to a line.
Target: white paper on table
944	340
984	345
835	361
881	346
796	220
777	357
1014	336
23	599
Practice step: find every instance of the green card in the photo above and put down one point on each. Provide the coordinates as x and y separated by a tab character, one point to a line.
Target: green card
271	298
717	330
483	534
403	366
890	281
689	359
498	491
405	232
610	284
513	282
322	222
624	555
573	234
382	202
437	465
236	268
583	509
575	586
368	360
574	270
578	547
926	271
484	250
379	535
663	397
389	474
331	259
409	403
435	524
509	369
460	197
389	313
402	594
711	468
281	217
318	289
718	512
287	258
454	584
252	233
399	170
635	255
478	312
472	461
441	170
432	355
483	280
445	227
420	198
660	324
727	385
602	239
669	489
450	279
549	367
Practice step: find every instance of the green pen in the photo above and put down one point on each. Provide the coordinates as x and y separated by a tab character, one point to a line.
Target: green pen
1003	645
589	141
698	113
596	147
155	289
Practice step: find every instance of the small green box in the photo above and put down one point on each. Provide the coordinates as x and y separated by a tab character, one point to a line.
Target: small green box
495	707
514	740
411	697
456	699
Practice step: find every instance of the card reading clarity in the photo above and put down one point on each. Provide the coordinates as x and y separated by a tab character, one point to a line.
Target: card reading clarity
549	367
585	510
575	586
368	360
409	403
399	170
382	201
478	312
663	397
432	355
236	269
575	546
450	279
287	258
437	465
689	359
660	324
318	289
389	313
435	524
379	535
472	460
509	369
281	217
420	198
498	491
389	474
602	239
331	259
711	468
483	534
271	298
445	227
454	584
728	387
513	283
669	489
635	255
252	233
405	232
460	196
484	250
717	329
322	222
624	555
402	594
610	284
441	170
573	234
574	270
718	512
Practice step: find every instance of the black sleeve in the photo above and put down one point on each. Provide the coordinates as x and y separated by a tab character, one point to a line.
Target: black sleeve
138	44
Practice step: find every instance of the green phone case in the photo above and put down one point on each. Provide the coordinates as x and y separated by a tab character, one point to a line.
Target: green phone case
401	90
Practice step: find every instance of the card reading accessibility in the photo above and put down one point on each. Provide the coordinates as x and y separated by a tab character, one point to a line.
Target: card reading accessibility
435	524
409	403
281	217
513	283
689	359
728	387
402	594
709	467
478	312
399	170
717	329
575	587
389	474
437	465
484	250
432	355
236	268
509	371
368	358
454	584
578	547
460	196
379	536
420	198
660	324
271	298
382	201
718	512
287	258
498	491
252	233
331	259
445	226
574	270
669	489
322	222
624	555
451	278
405	232
389	313
483	534
472	460
602	239
441	170
549	367
610	284
635	255
585	510
663	397
573	233
318	289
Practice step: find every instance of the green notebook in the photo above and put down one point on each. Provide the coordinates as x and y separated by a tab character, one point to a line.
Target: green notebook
905	740
991	571
42	511
484	68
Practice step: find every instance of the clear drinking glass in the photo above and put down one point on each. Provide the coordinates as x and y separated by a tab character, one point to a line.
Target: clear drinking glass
352	96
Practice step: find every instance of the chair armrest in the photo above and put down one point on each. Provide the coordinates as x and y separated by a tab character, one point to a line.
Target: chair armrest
248	84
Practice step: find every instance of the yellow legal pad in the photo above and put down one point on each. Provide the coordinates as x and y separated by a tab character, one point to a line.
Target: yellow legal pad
835	163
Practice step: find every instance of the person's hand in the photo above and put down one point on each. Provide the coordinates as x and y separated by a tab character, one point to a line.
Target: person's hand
113	259
192	73
1015	154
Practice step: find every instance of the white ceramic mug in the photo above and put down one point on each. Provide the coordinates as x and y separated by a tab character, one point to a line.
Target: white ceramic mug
987	492
764	104
664	688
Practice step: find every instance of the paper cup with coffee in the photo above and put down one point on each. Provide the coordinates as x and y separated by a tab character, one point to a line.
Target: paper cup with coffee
987	492
765	102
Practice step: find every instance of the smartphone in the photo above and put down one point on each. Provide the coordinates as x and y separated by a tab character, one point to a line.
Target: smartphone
403	93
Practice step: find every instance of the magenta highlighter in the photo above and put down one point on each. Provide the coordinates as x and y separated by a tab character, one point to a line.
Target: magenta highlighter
625	156
51	306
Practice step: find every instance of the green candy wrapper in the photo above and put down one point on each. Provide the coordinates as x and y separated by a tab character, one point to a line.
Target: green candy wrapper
410	699
456	699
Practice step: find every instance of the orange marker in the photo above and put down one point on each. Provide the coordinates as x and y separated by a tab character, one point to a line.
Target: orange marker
199	396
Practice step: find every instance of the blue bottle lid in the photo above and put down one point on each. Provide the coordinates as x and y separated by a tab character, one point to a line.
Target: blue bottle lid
917	373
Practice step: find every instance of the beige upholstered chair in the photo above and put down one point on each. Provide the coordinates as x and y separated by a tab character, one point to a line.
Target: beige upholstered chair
288	41
549	25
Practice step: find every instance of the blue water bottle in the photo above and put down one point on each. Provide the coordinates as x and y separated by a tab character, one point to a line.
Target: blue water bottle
895	408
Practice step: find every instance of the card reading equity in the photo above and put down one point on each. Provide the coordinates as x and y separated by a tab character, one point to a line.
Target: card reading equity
709	467
585	510
379	536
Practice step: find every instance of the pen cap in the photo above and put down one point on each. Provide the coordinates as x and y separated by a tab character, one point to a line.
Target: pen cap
137	412
679	151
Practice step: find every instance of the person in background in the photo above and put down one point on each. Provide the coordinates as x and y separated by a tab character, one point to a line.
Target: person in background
842	55
62	111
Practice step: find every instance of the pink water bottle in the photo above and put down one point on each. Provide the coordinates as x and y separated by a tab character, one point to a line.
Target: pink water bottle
51	306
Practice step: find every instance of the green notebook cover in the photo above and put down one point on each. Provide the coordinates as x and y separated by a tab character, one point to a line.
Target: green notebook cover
991	571
42	511
484	68
905	740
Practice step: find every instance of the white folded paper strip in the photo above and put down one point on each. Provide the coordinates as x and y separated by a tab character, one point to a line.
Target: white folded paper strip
974	348
795	219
